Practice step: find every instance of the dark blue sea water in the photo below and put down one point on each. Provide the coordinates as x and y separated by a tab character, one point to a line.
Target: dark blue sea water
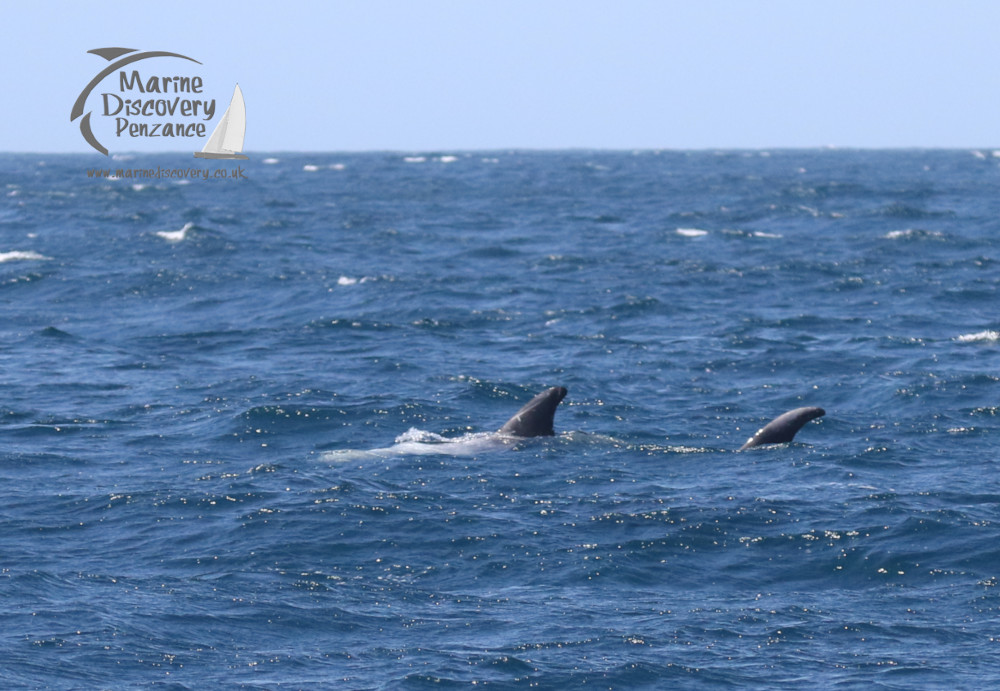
244	424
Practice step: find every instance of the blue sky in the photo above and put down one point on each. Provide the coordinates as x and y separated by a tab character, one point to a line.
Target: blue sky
437	75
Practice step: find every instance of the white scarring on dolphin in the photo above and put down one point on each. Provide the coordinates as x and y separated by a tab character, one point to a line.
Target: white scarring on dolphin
534	419
782	429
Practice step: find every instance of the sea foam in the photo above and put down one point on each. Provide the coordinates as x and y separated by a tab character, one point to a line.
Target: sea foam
175	235
980	336
19	255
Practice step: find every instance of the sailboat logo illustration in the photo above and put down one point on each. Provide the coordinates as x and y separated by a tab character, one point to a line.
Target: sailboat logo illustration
227	139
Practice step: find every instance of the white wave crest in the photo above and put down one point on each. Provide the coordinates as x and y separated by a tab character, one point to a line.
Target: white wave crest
19	255
911	233
692	232
350	280
980	336
175	235
422	436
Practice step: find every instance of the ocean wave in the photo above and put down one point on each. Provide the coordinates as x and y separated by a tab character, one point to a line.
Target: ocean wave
910	233
350	280
175	235
987	336
22	255
237	422
897	210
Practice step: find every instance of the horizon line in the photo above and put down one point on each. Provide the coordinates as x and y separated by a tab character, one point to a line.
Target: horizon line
511	149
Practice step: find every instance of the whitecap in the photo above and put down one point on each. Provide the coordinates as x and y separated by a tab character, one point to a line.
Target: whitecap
414	159
350	280
987	336
762	234
309	167
911	233
270	161
337	166
415	434
175	235
692	232
448	159
21	255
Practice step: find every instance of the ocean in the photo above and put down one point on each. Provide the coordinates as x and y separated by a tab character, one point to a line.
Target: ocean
247	424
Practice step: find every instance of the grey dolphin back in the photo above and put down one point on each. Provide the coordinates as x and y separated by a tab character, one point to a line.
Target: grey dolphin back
535	418
782	429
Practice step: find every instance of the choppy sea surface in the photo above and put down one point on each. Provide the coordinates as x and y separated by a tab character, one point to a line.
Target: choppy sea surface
246	424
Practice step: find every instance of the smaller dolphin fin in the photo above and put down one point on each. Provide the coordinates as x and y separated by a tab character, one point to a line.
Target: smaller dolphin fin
535	418
782	429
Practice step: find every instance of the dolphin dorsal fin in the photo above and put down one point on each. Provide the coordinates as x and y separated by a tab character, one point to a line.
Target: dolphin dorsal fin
782	429
535	418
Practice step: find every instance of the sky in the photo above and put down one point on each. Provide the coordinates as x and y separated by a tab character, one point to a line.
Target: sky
449	75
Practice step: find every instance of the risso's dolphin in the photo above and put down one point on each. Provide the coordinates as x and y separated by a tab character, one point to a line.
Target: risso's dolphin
782	429
534	419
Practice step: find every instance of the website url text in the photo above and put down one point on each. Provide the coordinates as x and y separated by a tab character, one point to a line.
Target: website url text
167	173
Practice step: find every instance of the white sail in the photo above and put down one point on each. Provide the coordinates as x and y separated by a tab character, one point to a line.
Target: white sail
227	139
